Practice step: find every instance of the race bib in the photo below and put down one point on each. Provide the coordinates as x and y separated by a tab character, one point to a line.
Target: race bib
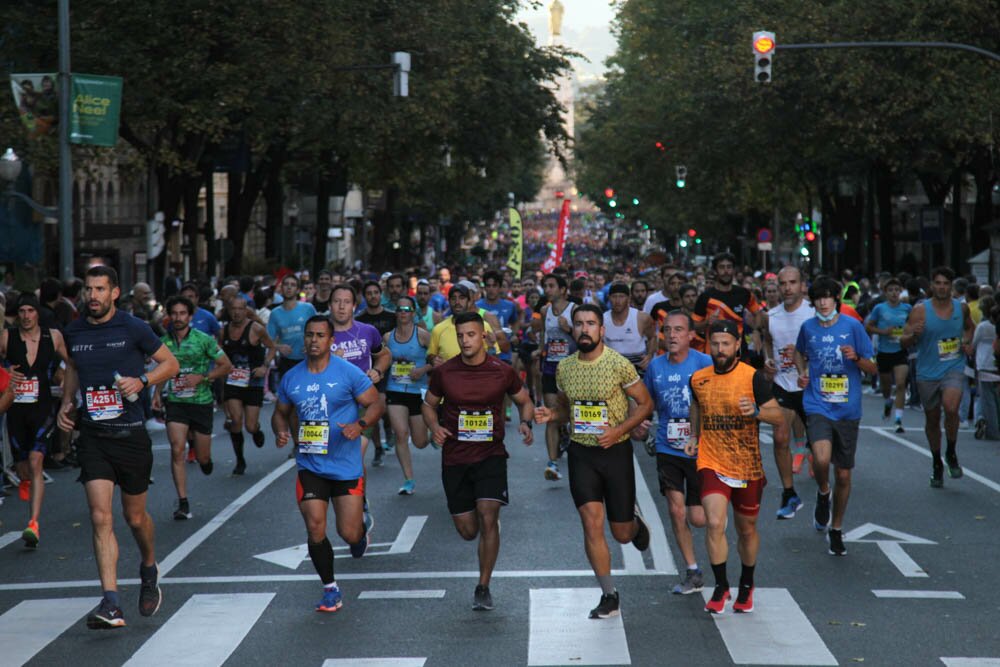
475	425
786	359
314	437
238	377
833	388
732	483
26	391
590	417
103	403
896	334
948	349
401	370
678	432
179	387
556	350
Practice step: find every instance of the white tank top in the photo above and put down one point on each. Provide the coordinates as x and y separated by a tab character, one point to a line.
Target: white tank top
558	343
626	339
784	329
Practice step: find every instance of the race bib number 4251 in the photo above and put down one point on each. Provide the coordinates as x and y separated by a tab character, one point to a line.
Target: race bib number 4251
103	403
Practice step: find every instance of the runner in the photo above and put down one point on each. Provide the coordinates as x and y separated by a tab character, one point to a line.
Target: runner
444	338
837	350
108	350
190	404
406	386
426	316
727	402
287	324
326	392
470	428
667	380
379	313
887	321
504	310
32	353
781	331
941	329
726	301
555	328
251	351
629	331
595	385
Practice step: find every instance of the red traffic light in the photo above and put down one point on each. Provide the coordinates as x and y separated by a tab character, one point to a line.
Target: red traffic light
660	147
609	193
560	194
692	233
810	236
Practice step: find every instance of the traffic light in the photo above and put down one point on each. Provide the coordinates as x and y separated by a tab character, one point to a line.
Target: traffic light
635	201
660	146
682	173
763	55
609	193
804	251
612	203
684	243
560	194
810	236
692	233
698	240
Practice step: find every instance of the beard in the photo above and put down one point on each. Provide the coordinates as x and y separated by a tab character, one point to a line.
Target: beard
723	363
586	344
99	311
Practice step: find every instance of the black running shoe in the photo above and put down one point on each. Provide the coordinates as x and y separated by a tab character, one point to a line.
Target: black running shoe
836	540
937	475
821	516
206	468
641	539
482	600
150	596
241	467
887	410
607	607
954	470
183	510
106	617
258	437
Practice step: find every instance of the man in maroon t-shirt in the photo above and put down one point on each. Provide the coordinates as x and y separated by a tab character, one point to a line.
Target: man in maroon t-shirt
470	428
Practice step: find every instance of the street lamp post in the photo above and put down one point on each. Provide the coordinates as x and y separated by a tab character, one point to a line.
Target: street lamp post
10	169
65	158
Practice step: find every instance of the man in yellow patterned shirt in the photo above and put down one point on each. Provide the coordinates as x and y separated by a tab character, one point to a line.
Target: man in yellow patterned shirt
595	384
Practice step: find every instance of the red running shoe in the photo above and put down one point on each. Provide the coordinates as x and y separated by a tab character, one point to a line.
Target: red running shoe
717	603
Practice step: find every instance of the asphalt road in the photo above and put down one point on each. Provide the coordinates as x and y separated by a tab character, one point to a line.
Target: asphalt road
918	589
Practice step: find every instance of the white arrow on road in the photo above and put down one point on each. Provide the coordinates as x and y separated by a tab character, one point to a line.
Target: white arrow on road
892	548
292	557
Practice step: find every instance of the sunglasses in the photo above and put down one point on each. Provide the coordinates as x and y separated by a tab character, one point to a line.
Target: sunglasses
404	309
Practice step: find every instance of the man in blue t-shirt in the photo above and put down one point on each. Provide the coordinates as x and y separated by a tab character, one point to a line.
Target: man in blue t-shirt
667	378
203	320
831	353
108	350
287	324
324	392
887	321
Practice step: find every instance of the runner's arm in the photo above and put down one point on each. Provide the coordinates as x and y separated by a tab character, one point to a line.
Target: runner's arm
222	368
264	339
381	361
279	423
643	405
914	326
768	410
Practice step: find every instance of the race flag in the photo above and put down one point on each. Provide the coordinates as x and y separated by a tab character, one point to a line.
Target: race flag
516	243
556	255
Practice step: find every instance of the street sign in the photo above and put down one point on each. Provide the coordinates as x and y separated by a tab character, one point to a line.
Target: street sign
891	546
765	246
764	235
836	244
931	224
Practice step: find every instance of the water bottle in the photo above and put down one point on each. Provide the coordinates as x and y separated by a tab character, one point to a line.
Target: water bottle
132	398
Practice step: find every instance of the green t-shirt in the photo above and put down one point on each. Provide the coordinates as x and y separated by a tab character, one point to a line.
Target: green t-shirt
195	355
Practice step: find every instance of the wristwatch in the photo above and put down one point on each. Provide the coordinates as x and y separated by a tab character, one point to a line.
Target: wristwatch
362	423
144	380
527	422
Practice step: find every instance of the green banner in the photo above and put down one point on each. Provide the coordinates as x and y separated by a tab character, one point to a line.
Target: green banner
95	105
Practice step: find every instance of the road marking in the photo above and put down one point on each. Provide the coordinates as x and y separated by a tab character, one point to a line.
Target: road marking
561	633
663	559
985	481
203	533
776	633
971	662
408	535
917	595
401	595
34	624
374	662
9	538
205	631
892	548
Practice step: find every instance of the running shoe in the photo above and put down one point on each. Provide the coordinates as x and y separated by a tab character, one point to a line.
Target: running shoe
954	470
206	468
980	430
836	540
258	437
790	507
107	616
641	539
650	444
241	467
607	607
797	460
552	472
377	461
150	596
821	517
358	550
481	599
717	603
899	427
332	600
24	490
937	475
30	535
744	600
887	409
407	488
183	510
693	583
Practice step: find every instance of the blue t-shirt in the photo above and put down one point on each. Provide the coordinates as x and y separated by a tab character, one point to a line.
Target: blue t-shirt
504	310
327	399
98	350
290	327
884	316
834	389
669	385
205	322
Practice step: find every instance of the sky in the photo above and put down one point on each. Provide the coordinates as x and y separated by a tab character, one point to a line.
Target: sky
586	28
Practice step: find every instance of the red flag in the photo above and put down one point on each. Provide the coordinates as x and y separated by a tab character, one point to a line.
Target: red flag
556	256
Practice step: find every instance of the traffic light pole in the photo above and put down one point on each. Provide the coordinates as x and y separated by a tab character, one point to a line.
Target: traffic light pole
892	45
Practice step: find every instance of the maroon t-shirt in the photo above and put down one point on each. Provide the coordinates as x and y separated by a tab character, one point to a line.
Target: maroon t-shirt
473	407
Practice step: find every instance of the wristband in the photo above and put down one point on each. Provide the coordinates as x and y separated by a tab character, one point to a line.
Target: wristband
526	422
756	410
362	423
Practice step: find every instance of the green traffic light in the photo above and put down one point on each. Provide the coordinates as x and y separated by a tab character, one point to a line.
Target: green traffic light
684	243
698	240
804	251
612	203
680	183
635	201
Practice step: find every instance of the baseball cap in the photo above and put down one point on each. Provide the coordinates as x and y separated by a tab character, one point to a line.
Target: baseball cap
619	288
469	285
724	326
460	288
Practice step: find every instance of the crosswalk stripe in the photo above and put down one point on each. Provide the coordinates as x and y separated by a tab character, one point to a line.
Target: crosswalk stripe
663	559
971	662
33	624
561	634
374	662
9	538
183	639
776	633
401	595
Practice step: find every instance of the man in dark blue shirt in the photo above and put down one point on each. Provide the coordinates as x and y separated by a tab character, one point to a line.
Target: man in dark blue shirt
108	350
